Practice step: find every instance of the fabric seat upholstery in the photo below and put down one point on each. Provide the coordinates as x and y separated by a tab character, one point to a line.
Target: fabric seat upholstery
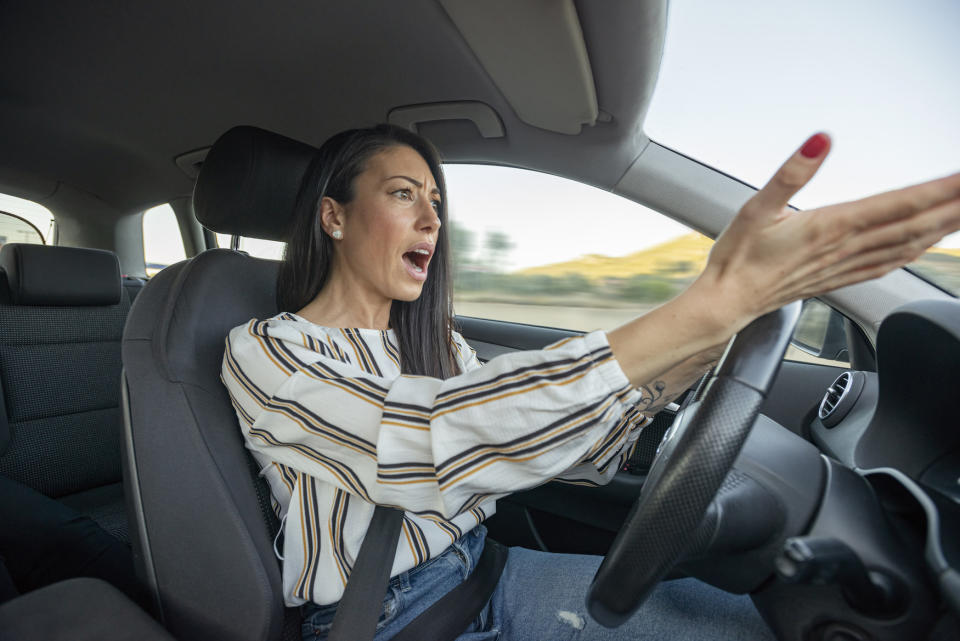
62	312
203	532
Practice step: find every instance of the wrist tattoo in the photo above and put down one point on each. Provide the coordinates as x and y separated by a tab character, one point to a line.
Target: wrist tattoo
651	395
654	397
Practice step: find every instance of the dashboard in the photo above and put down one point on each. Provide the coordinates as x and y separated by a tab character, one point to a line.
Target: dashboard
899	428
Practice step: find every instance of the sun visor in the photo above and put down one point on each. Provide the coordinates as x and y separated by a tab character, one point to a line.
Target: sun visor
249	181
534	52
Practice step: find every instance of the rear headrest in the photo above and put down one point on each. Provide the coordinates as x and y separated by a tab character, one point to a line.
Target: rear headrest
249	181
65	276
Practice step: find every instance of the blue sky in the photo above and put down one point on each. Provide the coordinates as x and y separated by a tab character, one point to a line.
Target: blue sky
745	82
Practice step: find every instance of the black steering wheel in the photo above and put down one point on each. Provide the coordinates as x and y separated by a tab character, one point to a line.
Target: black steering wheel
692	462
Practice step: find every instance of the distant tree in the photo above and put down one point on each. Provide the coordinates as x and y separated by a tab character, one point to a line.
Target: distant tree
461	242
461	259
678	267
645	288
498	246
574	283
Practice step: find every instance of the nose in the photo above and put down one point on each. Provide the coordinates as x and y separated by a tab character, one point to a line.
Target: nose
429	219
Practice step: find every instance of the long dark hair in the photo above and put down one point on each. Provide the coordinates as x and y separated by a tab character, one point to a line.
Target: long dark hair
422	326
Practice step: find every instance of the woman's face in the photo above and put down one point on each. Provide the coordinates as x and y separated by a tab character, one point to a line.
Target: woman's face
390	227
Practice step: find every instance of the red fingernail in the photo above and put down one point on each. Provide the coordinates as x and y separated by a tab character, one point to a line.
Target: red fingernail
814	146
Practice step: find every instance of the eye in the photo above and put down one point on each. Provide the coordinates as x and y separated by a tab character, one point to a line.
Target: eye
436	205
404	194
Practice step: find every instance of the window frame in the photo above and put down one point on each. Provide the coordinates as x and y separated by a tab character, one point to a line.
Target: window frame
43	241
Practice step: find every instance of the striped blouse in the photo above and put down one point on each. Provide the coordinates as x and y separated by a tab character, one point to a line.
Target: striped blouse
336	428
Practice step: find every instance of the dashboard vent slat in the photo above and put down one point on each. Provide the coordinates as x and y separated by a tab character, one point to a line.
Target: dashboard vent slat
840	398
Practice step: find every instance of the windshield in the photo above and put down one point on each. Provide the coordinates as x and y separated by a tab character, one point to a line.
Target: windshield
742	84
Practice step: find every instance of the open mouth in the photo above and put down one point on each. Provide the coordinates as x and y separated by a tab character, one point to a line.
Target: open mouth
416	261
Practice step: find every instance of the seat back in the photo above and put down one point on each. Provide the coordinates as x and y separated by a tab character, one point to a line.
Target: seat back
200	532
62	311
203	525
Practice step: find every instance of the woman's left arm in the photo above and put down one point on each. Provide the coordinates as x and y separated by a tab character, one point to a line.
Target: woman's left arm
606	457
659	393
655	395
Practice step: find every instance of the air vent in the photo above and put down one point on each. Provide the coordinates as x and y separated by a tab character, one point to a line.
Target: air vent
834	394
840	398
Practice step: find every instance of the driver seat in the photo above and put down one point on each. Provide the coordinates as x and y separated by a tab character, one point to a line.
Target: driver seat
202	524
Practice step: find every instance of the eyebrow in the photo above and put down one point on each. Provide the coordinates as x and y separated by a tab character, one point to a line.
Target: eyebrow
415	182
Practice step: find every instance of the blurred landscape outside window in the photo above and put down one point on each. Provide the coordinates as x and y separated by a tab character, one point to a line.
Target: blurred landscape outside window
537	249
24	221
162	242
542	250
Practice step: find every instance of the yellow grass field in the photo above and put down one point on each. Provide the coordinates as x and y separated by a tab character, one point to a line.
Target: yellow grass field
688	252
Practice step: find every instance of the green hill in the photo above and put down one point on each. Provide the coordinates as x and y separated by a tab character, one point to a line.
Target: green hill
681	257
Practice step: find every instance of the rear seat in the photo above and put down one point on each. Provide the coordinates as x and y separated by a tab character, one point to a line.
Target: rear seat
62	312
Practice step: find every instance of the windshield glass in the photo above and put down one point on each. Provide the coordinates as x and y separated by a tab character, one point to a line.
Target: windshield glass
743	84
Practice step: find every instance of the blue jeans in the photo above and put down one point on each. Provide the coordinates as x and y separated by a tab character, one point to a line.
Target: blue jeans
540	597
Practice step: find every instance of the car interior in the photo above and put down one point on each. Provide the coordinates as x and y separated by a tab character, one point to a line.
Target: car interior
827	493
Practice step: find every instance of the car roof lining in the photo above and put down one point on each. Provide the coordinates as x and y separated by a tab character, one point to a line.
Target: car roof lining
104	98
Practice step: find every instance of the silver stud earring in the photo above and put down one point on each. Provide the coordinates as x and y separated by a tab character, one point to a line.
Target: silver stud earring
337	234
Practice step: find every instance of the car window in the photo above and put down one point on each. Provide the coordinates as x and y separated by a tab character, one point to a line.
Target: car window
24	221
533	248
14	229
941	265
256	247
820	336
542	250
162	242
819	65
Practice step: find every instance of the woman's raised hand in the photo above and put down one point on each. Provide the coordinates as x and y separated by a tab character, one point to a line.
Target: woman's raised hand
770	255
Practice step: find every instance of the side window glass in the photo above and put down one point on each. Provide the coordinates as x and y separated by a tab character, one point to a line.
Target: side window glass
24	221
256	247
14	229
538	249
820	336
162	242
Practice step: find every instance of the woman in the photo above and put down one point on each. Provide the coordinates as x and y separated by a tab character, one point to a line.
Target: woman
360	393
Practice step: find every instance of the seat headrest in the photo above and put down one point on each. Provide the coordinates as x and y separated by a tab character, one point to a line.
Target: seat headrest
249	181
63	276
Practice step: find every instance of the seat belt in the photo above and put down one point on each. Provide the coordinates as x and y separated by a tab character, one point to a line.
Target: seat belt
447	619
359	609
362	601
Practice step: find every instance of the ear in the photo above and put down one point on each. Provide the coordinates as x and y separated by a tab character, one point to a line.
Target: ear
331	215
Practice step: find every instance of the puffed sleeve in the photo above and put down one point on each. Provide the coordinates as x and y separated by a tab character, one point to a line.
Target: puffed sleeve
430	446
608	455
